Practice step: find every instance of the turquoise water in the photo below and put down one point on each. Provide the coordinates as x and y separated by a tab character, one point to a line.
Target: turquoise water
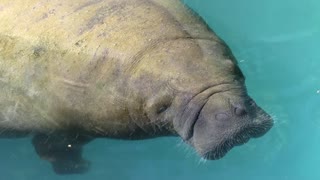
277	45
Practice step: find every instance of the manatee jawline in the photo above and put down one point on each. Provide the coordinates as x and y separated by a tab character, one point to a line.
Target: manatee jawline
221	150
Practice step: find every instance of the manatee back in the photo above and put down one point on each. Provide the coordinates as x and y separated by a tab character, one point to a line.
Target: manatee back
73	55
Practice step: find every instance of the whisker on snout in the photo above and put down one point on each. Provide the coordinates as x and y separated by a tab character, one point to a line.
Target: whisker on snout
188	151
202	160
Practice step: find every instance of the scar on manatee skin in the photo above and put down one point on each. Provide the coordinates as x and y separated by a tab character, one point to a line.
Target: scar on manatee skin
73	83
79	43
101	35
44	16
38	51
87	4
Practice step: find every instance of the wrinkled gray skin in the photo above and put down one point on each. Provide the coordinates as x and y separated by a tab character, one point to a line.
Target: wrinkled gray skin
72	71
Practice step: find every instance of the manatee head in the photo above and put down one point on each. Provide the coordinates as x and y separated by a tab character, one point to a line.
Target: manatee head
227	118
195	88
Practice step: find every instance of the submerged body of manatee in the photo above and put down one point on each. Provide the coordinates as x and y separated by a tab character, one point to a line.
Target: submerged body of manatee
73	72
174	77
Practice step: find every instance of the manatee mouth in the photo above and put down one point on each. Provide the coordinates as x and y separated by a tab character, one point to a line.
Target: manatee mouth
221	150
240	138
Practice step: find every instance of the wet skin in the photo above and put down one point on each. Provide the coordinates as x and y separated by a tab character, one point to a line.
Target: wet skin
71	72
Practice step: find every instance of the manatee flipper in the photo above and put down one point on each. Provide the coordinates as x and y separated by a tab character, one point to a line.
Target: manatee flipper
64	152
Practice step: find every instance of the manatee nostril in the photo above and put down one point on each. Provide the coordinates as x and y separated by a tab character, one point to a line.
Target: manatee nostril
222	116
239	111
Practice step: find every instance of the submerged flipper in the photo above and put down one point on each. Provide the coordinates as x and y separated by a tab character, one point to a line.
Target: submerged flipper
64	152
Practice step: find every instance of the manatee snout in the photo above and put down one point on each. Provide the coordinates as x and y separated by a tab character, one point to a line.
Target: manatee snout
226	119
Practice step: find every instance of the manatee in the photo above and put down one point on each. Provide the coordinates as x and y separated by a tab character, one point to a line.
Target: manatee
72	71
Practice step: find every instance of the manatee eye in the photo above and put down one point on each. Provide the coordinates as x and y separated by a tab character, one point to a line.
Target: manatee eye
163	108
159	104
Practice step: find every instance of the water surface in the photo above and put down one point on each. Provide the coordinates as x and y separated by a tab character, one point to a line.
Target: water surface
277	45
